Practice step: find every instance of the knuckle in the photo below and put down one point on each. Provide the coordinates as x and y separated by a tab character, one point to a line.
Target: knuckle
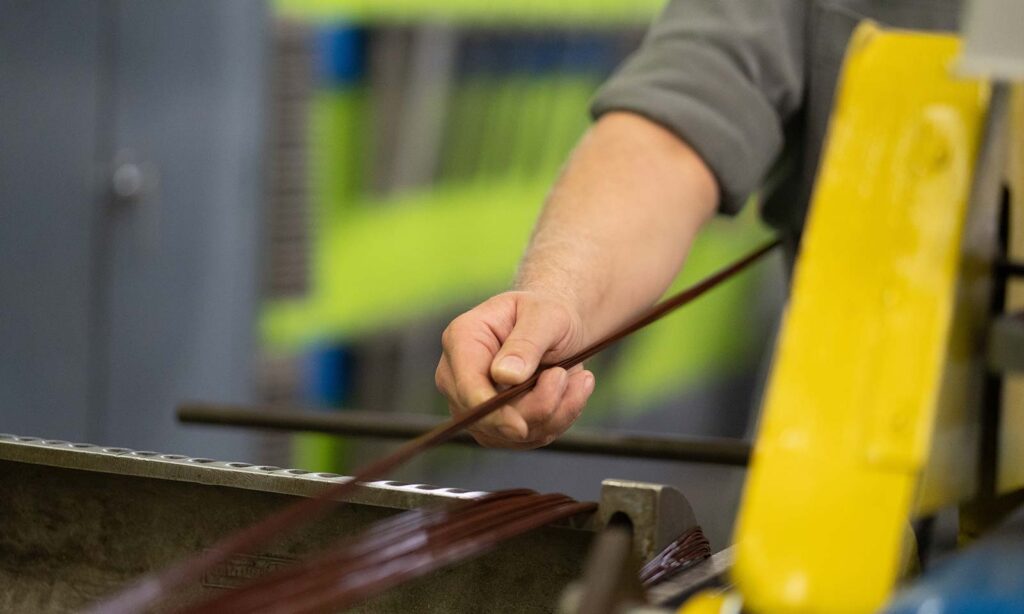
538	407
454	330
439	379
539	410
446	335
471	397
461	330
548	402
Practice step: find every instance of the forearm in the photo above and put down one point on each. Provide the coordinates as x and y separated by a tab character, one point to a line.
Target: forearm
619	222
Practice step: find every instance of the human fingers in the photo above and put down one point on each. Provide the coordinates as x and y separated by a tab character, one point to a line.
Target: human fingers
537	406
578	389
468	347
572	395
542	328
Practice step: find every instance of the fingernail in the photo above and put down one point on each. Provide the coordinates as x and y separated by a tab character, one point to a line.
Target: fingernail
512	365
588	383
510	433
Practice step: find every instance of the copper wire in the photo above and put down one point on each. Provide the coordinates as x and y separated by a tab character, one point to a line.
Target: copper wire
374	541
153	587
686	551
337	578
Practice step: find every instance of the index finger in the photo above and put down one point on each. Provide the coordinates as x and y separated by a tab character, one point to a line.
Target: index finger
469	354
470	363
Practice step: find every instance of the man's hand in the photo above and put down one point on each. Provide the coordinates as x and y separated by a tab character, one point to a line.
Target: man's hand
613	234
502	341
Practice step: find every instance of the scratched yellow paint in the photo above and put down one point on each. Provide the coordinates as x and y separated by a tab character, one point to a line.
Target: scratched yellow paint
869	352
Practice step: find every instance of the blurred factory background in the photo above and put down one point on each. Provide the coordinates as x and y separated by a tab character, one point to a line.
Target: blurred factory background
286	203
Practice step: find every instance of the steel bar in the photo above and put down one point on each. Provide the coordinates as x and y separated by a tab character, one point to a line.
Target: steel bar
350	423
1009	268
610	573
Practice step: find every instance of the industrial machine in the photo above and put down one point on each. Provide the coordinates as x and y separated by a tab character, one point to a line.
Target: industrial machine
892	396
81	521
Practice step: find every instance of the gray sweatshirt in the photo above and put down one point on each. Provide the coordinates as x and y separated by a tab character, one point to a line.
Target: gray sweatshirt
749	83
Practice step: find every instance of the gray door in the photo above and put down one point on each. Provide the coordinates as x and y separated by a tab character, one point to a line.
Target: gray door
130	196
49	69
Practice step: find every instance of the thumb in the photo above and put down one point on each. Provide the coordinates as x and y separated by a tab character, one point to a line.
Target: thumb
537	330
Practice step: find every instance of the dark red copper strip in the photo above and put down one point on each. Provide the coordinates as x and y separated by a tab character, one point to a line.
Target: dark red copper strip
355	562
155	586
386	541
407	568
370	579
687	550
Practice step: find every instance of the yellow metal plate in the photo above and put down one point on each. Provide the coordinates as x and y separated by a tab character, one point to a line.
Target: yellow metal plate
878	338
712	602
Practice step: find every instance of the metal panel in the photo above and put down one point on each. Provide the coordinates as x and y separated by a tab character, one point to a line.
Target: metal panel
994	44
83	521
48	75
877	373
117	303
189	90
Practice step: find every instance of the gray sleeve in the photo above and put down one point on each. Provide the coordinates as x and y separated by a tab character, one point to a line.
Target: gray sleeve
723	75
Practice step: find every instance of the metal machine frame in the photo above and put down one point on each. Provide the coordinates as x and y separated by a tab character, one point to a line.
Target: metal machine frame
81	521
876	407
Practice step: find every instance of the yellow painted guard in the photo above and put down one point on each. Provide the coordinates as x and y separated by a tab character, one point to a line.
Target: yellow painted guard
874	359
712	602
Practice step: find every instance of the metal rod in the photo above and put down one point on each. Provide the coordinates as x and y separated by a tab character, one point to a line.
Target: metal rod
1010	268
610	572
351	423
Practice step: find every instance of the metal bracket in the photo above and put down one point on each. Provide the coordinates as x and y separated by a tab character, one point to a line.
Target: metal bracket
1006	343
658	513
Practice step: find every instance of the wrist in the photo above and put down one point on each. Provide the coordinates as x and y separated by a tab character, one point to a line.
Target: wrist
548	292
567	271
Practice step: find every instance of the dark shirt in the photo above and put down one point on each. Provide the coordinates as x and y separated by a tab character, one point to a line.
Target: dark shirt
749	84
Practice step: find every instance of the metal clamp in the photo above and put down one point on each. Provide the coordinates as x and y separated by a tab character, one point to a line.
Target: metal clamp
658	513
